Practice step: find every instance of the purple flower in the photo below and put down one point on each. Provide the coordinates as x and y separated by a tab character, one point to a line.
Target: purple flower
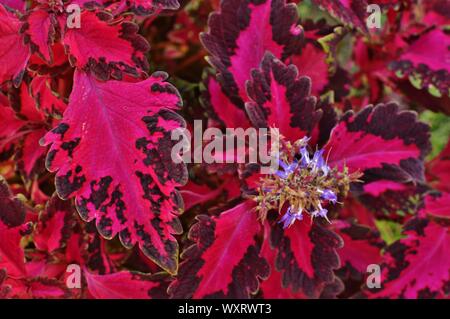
328	195
319	163
321	212
287	169
289	218
305	161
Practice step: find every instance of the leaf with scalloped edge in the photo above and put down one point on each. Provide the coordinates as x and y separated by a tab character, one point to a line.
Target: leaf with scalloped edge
112	152
148	7
47	101
382	142
39	29
12	217
54	225
438	170
125	285
14	54
105	47
425	63
306	256
240	34
224	260
418	265
362	247
272	287
281	98
350	12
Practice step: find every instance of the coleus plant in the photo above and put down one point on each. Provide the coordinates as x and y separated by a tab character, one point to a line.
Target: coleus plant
89	181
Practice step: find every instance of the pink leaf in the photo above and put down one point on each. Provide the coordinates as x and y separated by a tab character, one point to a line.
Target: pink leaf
352	12
106	48
417	266
54	225
123	285
281	99
12	215
147	7
306	256
362	247
240	34
381	141
39	32
112	153
224	261
14	54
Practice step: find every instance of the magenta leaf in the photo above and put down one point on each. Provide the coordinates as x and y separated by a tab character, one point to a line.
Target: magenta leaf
241	33
147	7
46	100
362	247
272	287
312	62
14	54
125	285
438	170
381	141
416	266
424	63
224	260
436	207
112	153
106	48
39	31
218	105
55	225
306	256
281	99
12	216
350	12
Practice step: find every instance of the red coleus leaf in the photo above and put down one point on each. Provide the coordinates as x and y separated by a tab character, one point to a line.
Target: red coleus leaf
10	127
106	47
425	63
281	99
312	62
14	54
21	130
418	265
147	7
436	207
39	29
306	256
12	215
224	261
219	106
125	285
47	288
240	34
47	101
272	287
351	12
353	209
112	153
382	142
30	155
196	194
97	258
362	247
438	170
15	4
54	226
